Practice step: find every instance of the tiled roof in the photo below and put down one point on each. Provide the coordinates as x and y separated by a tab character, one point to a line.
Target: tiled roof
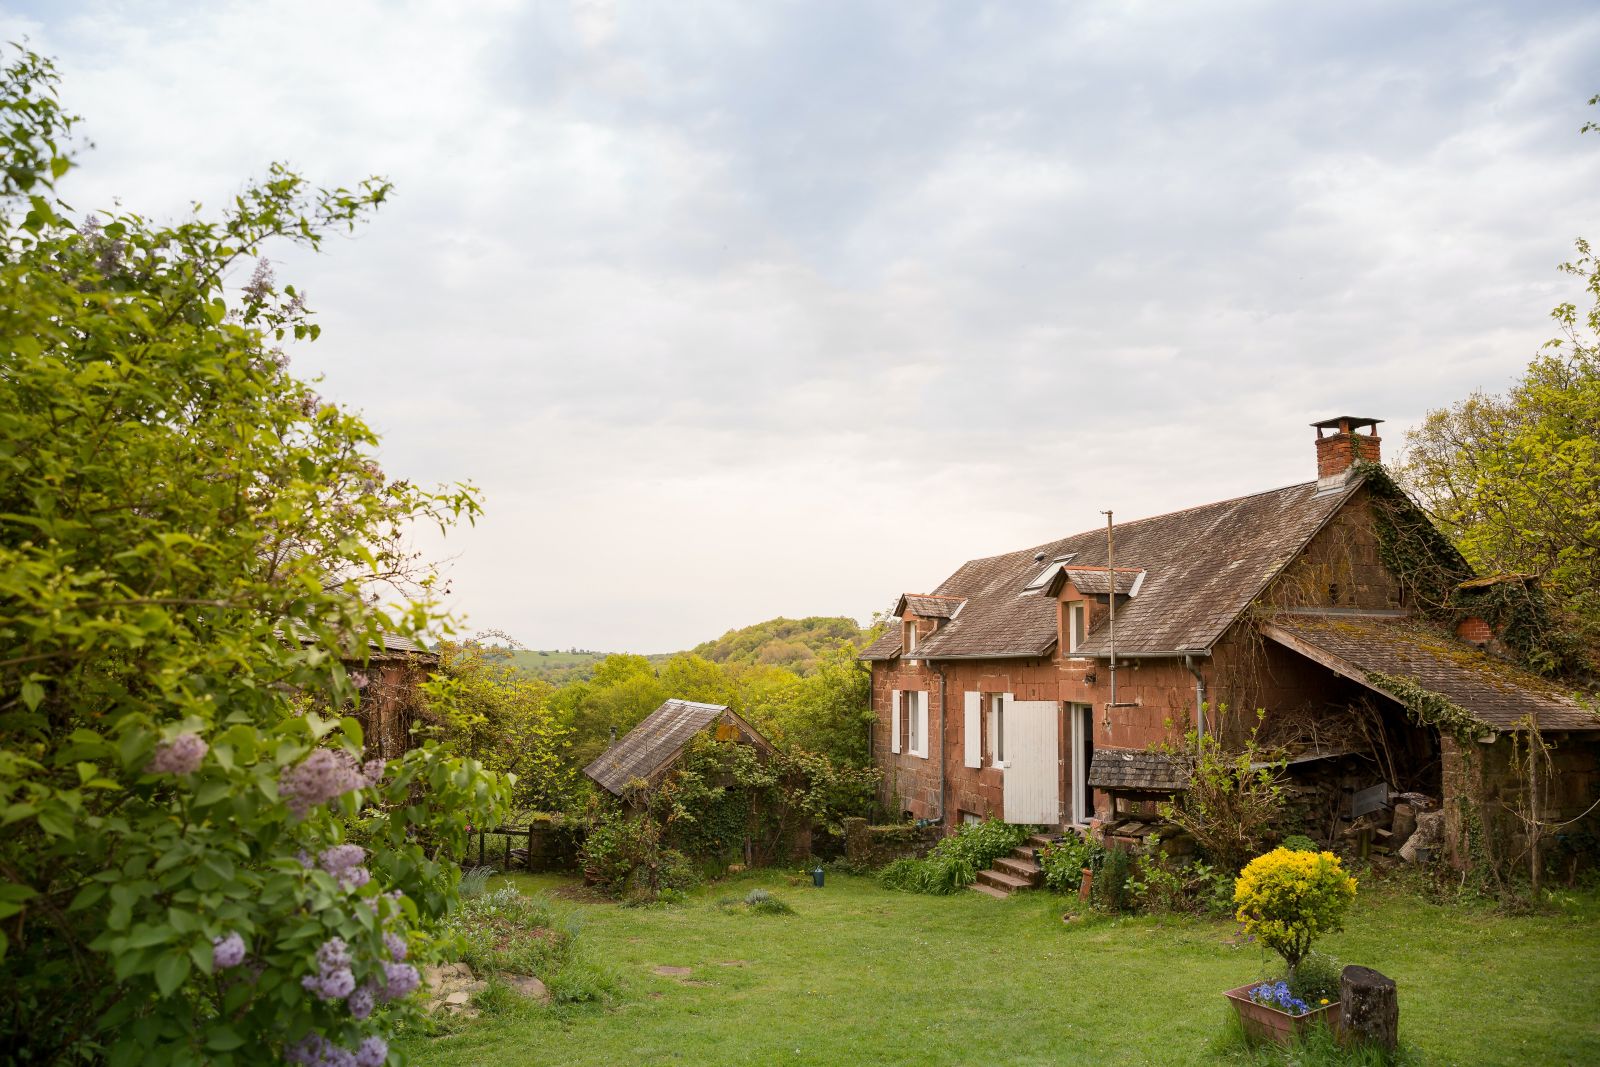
1492	690
1097	580
1135	771
1203	567
653	744
931	607
885	647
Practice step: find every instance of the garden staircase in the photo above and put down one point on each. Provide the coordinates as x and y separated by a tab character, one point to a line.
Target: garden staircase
1013	873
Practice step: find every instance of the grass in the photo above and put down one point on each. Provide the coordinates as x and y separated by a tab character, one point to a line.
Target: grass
859	974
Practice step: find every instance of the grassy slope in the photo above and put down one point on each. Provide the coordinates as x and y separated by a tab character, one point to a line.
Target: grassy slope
861	975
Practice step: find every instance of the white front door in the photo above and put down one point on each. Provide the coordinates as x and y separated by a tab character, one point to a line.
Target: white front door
1033	765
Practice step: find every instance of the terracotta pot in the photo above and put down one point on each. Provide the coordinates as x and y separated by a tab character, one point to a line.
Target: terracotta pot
1085	883
1262	1022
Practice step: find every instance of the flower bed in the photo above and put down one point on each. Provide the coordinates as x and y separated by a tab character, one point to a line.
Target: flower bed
1270	1012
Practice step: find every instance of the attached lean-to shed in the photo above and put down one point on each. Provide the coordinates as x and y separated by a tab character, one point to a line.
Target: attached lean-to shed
648	751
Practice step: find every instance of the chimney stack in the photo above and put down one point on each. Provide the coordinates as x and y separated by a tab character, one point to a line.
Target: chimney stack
1342	447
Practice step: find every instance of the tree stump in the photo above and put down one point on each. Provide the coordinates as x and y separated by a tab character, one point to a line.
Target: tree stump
1369	1009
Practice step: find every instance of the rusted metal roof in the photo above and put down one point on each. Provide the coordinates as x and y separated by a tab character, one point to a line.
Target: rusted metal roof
652	746
1203	566
1133	771
1493	691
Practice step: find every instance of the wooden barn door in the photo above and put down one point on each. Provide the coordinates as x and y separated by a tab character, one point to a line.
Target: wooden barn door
1033	765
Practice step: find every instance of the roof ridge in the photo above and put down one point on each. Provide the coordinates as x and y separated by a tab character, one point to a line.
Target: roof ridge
1144	519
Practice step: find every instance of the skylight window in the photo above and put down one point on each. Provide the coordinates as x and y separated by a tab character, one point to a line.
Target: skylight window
1045	576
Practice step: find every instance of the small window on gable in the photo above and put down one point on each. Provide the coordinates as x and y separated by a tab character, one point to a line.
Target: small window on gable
910	638
1077	624
1046	576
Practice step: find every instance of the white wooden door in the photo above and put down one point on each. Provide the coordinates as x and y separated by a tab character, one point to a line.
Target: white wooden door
1033	765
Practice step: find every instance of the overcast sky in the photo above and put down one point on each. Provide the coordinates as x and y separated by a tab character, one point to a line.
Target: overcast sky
743	309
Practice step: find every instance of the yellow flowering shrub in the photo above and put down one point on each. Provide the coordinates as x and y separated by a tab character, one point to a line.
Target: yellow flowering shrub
1288	899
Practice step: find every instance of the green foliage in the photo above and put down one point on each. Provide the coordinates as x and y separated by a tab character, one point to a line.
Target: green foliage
1063	861
794	644
504	931
954	863
1514	479
499	716
1231	799
757	901
1428	708
475	882
1317	978
191	547
1437	578
825	712
1110	890
624	856
1287	899
1301	843
1159	884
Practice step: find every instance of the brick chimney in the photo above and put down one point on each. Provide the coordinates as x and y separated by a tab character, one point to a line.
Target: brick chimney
1341	447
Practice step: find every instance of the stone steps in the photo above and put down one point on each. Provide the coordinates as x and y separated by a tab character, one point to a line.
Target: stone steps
1014	873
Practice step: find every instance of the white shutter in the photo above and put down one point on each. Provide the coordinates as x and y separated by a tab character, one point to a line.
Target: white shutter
894	720
974	733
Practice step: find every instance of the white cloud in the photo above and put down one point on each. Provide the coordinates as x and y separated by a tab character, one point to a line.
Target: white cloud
735	310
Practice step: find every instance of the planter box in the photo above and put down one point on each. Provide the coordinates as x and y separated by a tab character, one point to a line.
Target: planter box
1265	1023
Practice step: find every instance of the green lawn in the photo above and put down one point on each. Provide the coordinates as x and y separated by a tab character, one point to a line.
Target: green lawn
860	975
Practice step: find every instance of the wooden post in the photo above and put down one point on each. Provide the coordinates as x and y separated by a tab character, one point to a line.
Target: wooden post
507	866
528	863
1369	1009
480	848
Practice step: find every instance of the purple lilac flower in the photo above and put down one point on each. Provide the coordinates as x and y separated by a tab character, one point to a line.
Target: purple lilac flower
227	951
322	776
374	1052
334	979
402	979
181	755
361	1001
372	770
396	945
344	863
314	1050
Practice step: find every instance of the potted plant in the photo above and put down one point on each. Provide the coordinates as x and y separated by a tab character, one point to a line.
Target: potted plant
1287	899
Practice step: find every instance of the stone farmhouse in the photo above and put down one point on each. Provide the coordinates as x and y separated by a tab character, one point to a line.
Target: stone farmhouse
1033	686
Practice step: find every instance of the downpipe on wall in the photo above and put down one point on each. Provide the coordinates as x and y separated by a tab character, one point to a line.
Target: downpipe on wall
1190	661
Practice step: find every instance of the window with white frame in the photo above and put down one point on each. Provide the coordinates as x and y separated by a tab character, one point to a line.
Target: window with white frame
909	638
1077	624
916	710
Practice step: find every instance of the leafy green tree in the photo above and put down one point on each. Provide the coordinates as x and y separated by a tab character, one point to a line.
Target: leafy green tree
191	544
622	692
503	718
1514	479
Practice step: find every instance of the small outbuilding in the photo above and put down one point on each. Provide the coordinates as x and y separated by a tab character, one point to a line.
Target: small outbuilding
648	751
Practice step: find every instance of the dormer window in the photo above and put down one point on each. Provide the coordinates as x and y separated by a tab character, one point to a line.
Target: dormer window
909	638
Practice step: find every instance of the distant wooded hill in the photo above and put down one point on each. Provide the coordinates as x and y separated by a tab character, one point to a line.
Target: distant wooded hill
780	642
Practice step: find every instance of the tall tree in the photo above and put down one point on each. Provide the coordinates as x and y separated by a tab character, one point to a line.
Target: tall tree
191	541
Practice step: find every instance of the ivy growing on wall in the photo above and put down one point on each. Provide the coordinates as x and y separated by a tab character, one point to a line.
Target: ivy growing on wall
1434	574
